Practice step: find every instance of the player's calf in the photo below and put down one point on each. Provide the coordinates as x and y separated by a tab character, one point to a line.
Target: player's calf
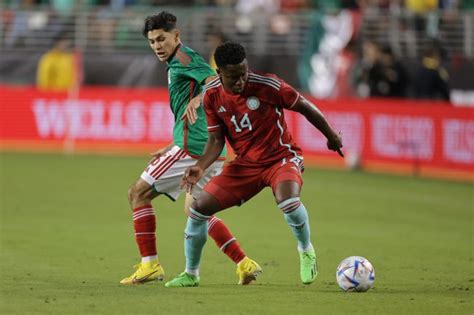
296	216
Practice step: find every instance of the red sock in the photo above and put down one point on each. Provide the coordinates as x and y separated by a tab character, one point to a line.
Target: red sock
224	239
145	224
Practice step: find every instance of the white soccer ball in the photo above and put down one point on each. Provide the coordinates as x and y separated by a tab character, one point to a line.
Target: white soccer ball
355	273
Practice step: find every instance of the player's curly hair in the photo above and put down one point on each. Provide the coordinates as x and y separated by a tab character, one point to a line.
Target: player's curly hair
163	20
229	53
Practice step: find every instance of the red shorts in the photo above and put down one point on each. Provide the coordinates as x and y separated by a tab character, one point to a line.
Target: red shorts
238	183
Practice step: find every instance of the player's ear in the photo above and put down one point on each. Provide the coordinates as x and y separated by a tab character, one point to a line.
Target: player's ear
177	33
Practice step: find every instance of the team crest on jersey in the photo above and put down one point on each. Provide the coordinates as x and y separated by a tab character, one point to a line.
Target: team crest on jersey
253	103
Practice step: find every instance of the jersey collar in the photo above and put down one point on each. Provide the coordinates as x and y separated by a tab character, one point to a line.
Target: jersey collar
173	55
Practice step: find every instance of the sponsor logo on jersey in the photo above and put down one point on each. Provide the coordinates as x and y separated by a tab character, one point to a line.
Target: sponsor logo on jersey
253	103
221	109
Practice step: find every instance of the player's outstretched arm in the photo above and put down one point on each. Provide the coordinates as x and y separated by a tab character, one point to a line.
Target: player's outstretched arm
317	119
190	113
212	151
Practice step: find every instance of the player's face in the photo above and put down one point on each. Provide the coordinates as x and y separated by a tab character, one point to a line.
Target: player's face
234	77
163	43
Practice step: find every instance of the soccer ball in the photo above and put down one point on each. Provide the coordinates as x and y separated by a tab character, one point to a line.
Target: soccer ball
355	273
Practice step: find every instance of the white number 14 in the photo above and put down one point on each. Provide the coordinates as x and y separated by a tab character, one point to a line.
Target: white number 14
244	123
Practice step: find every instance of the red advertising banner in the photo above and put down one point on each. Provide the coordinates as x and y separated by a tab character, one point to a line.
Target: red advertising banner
97	119
423	137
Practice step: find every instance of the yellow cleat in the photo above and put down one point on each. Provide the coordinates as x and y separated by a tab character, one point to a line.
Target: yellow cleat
146	272
248	270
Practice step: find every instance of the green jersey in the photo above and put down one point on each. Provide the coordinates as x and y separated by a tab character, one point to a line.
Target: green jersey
187	73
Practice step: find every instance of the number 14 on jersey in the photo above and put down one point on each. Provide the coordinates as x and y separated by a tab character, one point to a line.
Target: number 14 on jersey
244	123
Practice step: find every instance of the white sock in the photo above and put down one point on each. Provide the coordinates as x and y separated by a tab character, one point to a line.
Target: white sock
194	272
306	249
149	258
238	264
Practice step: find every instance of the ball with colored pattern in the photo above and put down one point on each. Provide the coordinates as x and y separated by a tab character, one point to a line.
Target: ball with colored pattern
355	273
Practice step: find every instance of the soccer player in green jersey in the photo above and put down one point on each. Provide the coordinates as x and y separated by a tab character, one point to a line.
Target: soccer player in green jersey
187	74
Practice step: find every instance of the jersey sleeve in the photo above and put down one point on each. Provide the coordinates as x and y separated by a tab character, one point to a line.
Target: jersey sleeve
198	70
288	95
214	123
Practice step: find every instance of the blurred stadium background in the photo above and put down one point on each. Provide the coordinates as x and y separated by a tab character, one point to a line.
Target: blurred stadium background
278	34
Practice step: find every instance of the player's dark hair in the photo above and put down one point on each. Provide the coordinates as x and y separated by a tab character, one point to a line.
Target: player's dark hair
229	53
163	20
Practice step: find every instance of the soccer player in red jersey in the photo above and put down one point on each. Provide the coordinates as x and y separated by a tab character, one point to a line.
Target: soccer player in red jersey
248	109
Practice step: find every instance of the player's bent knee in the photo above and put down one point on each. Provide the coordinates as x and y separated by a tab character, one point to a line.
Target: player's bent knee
132	193
140	191
283	198
286	190
290	204
200	206
129	193
206	204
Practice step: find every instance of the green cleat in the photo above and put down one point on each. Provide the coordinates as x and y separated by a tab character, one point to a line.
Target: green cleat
183	280
308	266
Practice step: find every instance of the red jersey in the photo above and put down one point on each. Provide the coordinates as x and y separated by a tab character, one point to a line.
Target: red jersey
254	121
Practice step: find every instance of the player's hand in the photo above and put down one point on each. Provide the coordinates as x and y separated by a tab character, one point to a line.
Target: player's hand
190	113
192	175
335	143
160	152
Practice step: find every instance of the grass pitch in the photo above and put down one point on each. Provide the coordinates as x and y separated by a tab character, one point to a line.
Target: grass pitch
67	239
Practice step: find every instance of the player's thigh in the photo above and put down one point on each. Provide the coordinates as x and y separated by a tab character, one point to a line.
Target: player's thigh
235	185
206	204
213	170
201	201
164	173
286	181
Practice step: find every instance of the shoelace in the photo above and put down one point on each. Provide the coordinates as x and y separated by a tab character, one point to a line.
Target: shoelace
246	267
137	266
308	258
249	268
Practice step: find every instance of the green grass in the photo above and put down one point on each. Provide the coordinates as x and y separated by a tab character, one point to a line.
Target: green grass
67	239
